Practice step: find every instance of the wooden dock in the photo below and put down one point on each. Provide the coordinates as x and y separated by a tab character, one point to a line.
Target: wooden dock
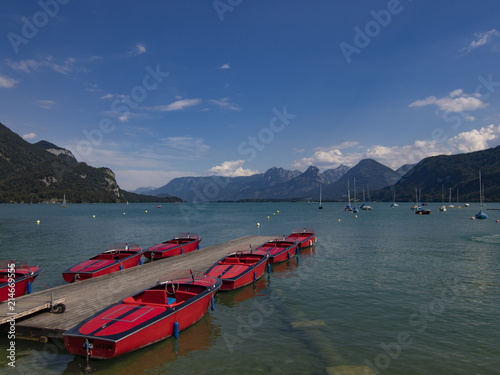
85	298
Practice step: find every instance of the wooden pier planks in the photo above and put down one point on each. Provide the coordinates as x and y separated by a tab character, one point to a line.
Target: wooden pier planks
85	298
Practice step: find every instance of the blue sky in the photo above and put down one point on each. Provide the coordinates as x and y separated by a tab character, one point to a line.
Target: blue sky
158	90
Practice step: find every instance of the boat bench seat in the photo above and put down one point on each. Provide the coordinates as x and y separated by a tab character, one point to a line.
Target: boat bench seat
230	261
156	296
106	256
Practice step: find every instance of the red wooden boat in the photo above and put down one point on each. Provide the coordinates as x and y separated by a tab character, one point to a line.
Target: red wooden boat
143	319
180	244
279	250
239	269
114	258
16	279
305	237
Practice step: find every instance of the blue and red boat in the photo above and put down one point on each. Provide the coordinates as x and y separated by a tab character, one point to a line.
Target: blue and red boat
115	258
180	244
239	269
16	279
144	318
306	237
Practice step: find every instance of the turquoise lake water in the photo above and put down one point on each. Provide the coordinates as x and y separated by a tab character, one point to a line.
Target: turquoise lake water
389	290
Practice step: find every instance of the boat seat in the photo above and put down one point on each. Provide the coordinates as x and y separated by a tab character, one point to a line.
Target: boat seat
158	296
106	256
231	261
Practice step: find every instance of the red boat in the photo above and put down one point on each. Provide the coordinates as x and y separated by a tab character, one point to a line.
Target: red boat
239	269
279	250
143	319
180	244
115	258
16	279
305	237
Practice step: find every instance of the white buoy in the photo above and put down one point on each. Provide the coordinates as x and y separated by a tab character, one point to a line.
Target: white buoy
93	216
258	224
38	221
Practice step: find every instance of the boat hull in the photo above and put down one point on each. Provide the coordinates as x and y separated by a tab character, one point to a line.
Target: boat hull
125	327
238	270
304	238
172	248
102	264
20	278
278	250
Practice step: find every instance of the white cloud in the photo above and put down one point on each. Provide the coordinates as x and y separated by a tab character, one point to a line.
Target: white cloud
138	50
185	144
47	104
175	106
225	66
482	39
225	103
231	169
475	140
29	136
31	65
396	156
457	101
7	82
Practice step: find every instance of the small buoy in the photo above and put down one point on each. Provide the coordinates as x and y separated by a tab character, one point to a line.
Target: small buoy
29	287
498	221
339	219
268	218
274	214
473	218
140	262
268	268
93	216
258	224
146	211
121	267
38	221
124	213
255	276
355	215
278	211
212	304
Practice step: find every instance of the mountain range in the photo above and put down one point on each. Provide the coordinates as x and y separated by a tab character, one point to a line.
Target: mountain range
430	177
278	183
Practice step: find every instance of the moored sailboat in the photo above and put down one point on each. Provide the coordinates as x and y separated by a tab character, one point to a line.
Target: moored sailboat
480	215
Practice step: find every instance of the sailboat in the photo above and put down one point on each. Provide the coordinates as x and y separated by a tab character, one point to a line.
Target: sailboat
480	214
394	204
458	206
320	205
348	207
64	201
450	205
355	209
364	206
443	207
